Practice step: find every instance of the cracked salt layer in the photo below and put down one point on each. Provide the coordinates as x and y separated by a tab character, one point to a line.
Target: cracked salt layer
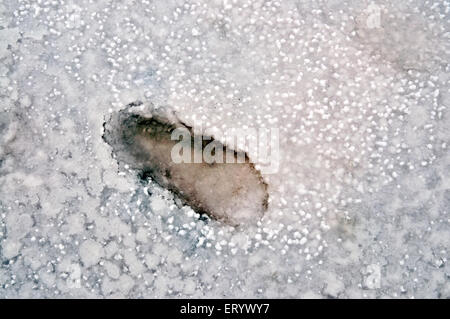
226	187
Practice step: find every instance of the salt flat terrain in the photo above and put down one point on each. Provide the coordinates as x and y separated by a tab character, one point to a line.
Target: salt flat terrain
359	91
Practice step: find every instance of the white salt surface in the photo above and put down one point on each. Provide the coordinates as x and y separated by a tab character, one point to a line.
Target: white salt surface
359	90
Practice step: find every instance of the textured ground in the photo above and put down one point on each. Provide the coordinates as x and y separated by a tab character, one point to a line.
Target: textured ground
359	90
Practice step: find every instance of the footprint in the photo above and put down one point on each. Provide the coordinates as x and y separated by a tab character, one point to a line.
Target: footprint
142	137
